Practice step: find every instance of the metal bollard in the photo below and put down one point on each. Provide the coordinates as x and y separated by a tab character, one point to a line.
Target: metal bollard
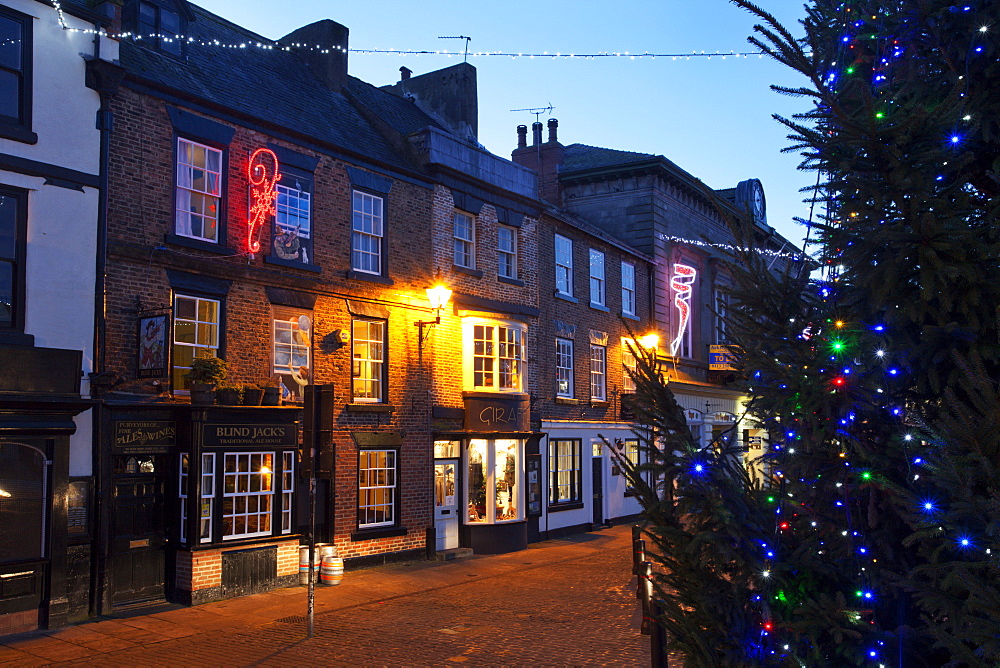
638	554
657	637
644	591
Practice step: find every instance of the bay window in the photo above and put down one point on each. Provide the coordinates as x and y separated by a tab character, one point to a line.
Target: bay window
494	355
493	484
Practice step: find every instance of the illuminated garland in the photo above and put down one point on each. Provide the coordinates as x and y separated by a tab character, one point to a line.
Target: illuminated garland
263	174
680	283
319	48
731	247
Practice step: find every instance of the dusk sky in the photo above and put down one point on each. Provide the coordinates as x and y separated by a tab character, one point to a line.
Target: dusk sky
712	117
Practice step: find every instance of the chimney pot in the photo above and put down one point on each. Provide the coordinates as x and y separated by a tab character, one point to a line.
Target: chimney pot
536	133
404	73
522	136
553	124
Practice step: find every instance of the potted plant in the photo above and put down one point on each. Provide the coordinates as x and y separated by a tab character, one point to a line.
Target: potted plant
272	391
207	371
229	395
252	394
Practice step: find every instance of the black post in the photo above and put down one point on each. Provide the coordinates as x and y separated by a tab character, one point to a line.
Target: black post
312	408
644	591
638	554
657	637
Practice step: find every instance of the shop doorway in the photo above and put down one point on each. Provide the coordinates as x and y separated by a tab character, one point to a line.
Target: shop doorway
24	499
597	468
446	503
138	564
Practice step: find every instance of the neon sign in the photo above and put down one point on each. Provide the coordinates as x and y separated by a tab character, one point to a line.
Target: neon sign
264	175
680	283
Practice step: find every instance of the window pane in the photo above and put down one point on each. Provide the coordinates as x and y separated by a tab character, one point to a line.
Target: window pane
10	43
10	94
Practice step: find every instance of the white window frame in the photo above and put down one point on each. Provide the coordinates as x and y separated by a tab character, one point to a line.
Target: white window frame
289	342
294	204
464	243
564	367
367	233
187	173
287	490
598	373
494	350
597	278
201	326
628	288
628	362
565	471
564	265
368	359
377	487
207	495
257	502
507	251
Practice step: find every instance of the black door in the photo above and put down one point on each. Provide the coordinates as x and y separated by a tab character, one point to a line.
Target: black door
139	527
598	475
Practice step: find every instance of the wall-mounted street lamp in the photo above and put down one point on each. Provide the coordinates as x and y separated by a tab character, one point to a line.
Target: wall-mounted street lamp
649	341
438	296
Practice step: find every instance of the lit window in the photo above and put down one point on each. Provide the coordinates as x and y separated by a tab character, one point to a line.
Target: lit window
564	368
507	252
207	496
564	265
366	238
377	473
368	366
565	472
196	334
598	373
292	340
287	490
494	480
628	288
15	73
465	240
292	236
199	178
632	454
629	364
495	353
247	494
596	277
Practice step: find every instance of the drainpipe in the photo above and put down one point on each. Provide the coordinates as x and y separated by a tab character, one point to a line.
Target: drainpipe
104	77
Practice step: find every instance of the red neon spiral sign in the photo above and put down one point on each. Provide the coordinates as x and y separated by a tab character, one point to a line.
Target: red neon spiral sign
264	175
680	283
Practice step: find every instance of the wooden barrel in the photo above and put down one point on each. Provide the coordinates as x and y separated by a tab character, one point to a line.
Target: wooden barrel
331	571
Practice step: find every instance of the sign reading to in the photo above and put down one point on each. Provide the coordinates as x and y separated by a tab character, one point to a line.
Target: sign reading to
721	358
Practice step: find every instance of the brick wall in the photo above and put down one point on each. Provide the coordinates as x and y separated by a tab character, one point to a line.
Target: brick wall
202	569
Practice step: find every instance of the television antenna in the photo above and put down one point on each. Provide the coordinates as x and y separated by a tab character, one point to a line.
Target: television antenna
537	111
467	40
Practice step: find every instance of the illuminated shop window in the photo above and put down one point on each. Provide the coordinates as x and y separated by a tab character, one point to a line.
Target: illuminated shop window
493	484
207	496
565	471
494	355
196	334
377	485
247	494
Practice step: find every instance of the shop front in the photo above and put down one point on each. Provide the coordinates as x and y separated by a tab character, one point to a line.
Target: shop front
483	493
201	502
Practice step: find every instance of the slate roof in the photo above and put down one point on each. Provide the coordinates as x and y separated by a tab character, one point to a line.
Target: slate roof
275	87
582	156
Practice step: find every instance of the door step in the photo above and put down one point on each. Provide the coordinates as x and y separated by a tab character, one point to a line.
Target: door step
453	553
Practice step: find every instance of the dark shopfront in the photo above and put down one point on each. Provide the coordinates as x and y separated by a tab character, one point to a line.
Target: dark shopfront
497	490
201	502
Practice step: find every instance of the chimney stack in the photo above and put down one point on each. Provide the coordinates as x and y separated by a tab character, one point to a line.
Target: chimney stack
545	159
404	73
536	133
553	124
325	51
522	136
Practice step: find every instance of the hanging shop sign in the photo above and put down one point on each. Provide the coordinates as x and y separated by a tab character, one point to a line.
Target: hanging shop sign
144	437
264	175
253	435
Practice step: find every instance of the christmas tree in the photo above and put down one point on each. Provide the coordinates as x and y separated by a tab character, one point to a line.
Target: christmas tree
874	540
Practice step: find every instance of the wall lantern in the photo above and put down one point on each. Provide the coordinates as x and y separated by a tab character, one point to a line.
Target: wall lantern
438	297
649	341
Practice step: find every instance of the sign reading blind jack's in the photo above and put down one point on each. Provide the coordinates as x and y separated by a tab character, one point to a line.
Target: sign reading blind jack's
252	435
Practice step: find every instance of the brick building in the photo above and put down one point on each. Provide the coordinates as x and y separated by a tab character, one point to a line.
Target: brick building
672	218
52	76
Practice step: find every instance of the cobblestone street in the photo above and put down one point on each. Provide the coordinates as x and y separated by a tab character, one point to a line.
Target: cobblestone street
568	601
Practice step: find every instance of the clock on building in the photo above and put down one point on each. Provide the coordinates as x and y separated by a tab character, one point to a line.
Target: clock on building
750	197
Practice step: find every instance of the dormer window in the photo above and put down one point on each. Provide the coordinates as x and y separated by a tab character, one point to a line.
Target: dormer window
160	25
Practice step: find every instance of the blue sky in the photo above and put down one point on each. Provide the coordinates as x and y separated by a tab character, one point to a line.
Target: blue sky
711	117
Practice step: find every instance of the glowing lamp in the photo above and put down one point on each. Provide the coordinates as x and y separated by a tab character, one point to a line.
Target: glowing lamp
649	341
438	297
